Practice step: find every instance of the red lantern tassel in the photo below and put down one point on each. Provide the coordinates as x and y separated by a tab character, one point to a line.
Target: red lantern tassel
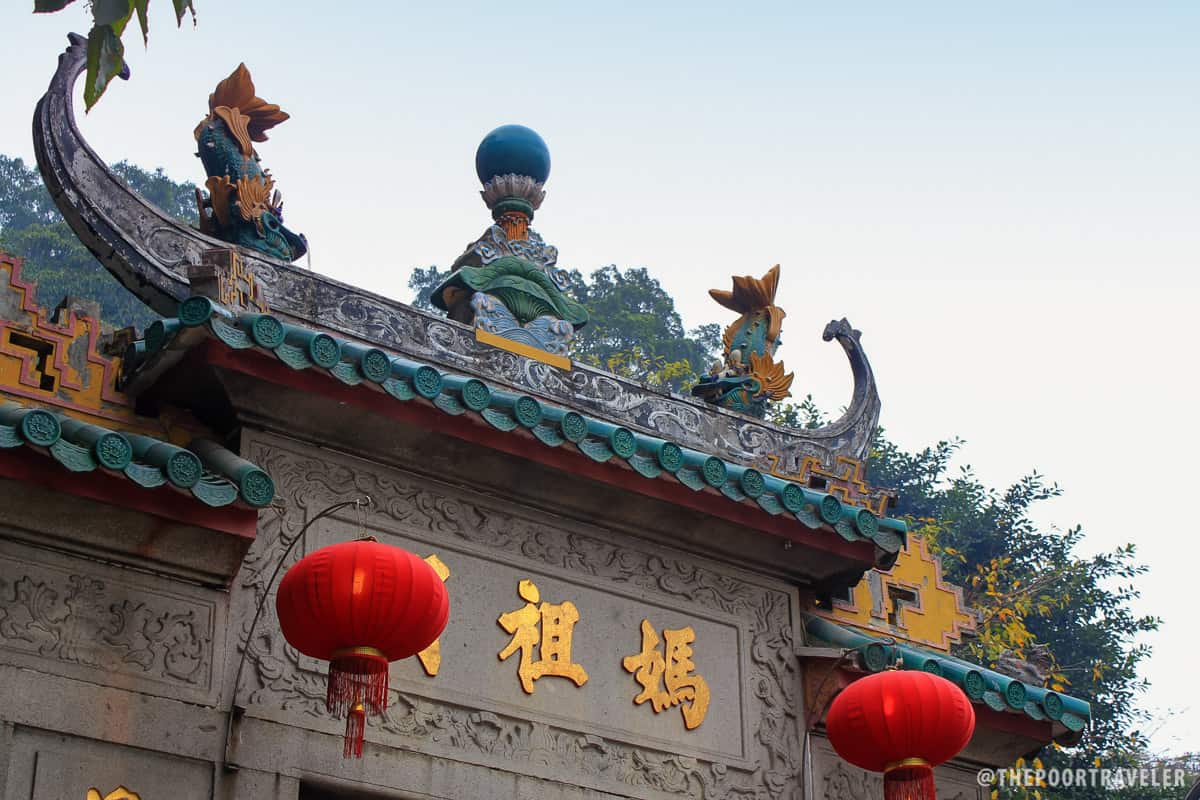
356	731
911	779
357	685
357	675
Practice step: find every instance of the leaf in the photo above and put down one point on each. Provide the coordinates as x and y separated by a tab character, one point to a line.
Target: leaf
181	7
50	6
105	57
143	20
112	12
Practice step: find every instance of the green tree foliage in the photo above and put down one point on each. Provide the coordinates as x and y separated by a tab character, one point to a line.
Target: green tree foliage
422	282
105	49
806	414
1033	593
635	330
32	228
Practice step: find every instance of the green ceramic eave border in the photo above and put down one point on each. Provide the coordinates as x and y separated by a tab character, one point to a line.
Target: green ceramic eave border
353	363
205	470
981	685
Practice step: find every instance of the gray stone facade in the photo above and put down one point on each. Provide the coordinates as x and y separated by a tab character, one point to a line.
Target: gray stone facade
115	671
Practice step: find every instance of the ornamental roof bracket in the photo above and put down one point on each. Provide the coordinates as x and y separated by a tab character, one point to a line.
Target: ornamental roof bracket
403	380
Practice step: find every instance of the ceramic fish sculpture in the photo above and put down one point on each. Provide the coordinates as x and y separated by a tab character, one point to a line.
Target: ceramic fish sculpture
242	206
749	376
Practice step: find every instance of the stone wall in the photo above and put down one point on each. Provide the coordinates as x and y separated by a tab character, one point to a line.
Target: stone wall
112	676
471	725
108	675
834	779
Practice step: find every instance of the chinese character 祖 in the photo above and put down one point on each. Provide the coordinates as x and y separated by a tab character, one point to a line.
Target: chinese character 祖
675	669
558	625
431	657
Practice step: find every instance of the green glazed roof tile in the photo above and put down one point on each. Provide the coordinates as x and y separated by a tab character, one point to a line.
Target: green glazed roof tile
652	458
999	692
214	476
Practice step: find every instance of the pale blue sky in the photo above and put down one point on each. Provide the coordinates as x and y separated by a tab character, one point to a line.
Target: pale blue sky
1003	198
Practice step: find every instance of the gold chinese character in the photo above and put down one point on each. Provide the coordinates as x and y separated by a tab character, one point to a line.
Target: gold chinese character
558	625
431	657
652	669
119	793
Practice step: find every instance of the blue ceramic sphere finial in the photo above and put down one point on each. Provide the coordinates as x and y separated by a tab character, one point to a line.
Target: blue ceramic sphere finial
512	150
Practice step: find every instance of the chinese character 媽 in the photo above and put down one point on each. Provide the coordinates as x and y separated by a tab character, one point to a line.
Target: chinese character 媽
675	669
554	643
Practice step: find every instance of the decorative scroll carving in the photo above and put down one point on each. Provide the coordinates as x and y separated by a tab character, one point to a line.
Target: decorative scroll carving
307	483
843	783
83	620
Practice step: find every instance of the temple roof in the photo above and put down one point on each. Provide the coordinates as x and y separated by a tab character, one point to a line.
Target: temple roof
404	380
164	261
204	470
988	687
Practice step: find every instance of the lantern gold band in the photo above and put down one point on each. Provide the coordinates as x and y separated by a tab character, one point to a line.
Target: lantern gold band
907	762
350	652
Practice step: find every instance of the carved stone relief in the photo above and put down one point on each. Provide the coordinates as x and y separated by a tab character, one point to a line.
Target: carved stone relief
845	782
88	621
834	779
279	679
685	421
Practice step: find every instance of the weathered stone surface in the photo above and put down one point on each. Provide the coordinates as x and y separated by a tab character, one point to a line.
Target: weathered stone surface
49	767
102	624
834	779
592	736
47	518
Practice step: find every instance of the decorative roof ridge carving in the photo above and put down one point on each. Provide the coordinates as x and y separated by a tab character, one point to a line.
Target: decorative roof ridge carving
404	380
150	253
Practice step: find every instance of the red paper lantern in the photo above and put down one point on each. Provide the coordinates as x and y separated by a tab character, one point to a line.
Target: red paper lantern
360	605
903	724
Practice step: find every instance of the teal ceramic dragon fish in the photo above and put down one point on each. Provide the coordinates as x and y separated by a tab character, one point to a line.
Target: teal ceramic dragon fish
750	375
242	207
